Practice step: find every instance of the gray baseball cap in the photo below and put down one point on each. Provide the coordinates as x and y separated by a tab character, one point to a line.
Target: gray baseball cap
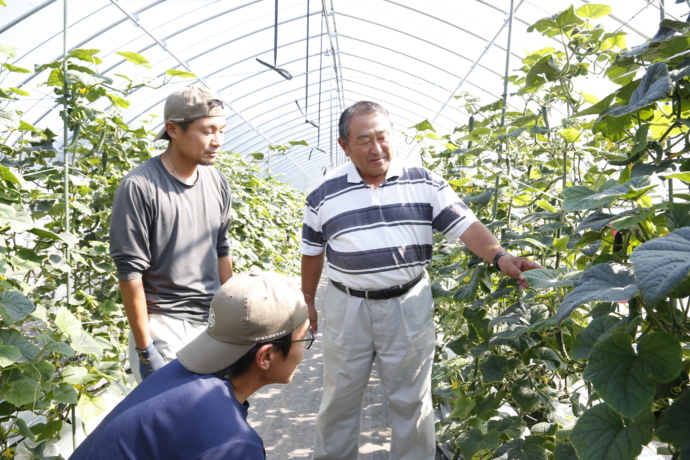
250	308
191	103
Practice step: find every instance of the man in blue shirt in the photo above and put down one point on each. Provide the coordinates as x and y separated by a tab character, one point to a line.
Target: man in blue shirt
196	406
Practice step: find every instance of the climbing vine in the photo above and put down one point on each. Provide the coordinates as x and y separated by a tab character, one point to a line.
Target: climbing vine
62	355
592	360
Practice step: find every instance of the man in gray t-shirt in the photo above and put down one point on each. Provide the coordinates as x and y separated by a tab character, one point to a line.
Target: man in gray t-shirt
169	232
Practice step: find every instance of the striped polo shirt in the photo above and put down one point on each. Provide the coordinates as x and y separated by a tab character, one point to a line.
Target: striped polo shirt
379	238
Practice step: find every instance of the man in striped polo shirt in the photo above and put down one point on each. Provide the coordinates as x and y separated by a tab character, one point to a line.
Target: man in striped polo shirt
372	219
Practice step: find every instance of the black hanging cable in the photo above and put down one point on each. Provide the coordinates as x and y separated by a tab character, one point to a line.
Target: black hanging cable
283	73
306	86
275	37
318	138
331	146
306	73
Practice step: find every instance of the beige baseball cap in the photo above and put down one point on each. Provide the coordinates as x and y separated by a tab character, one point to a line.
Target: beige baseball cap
191	103
250	308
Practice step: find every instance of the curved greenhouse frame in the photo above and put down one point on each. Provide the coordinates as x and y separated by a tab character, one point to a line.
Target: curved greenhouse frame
563	125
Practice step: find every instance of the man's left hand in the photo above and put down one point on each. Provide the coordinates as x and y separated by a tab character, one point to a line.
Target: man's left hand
514	266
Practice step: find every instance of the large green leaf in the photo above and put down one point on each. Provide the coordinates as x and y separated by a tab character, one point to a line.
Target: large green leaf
599	328
662	264
88	55
667	29
24	430
83	342
626	380
494	368
40	371
9	355
518	449
18	218
21	392
15	306
593	11
14	68
544	278
133	57
655	85
474	441
527	395
674	423
546	356
602	434
8	120
597	108
491	402
519	313
424	126
57	347
65	393
443	287
16	339
564	452
12	176
601	283
568	18
67	238
9	51
512	426
67	322
77	375
463	407
581	198
546	26
90	407
546	67
180	73
632	221
85	78
595	221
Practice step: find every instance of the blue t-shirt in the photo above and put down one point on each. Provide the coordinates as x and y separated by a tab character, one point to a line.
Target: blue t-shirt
175	414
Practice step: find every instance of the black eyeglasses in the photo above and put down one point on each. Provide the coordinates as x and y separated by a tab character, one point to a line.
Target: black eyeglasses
216	103
308	341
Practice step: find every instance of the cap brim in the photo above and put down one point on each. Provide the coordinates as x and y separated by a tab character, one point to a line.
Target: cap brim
162	134
206	355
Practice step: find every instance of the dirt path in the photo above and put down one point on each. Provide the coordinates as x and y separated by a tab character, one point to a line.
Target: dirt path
284	415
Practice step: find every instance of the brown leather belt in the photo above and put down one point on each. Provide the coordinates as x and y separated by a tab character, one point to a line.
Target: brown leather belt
380	294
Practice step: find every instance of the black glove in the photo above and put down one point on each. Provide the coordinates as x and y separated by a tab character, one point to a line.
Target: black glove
149	360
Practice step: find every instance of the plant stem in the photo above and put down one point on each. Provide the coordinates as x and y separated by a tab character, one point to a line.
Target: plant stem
652	317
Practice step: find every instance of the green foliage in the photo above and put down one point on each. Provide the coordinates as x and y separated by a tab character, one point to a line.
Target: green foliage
63	332
267	218
592	360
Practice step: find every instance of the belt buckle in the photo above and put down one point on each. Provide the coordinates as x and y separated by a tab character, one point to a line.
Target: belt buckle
366	294
347	290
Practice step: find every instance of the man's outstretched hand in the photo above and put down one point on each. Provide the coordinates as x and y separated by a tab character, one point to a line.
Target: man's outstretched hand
514	266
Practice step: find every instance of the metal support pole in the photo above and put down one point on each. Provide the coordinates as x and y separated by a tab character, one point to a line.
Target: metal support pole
65	159
494	210
65	152
507	68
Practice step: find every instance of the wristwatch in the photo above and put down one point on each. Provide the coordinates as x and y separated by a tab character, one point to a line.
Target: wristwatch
498	256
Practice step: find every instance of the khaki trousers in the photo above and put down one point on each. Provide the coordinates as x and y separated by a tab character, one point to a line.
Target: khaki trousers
168	334
399	334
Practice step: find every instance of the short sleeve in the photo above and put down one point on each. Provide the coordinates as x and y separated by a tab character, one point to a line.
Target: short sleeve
129	230
451	215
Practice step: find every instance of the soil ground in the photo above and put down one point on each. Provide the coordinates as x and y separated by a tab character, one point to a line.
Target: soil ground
284	415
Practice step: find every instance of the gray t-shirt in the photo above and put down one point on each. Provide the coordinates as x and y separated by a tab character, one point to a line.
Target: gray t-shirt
172	235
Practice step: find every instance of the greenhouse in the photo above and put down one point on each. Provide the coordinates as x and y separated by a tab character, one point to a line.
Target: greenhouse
554	135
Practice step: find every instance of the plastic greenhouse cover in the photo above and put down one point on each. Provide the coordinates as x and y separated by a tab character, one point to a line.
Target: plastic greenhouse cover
413	57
